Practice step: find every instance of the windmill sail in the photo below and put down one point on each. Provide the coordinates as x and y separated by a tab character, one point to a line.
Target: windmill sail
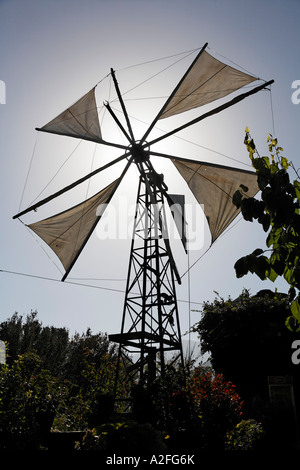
207	80
79	120
67	232
214	186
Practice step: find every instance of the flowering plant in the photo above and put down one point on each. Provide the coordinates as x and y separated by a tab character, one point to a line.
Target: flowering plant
213	394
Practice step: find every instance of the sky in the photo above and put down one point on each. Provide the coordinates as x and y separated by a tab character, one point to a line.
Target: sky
53	52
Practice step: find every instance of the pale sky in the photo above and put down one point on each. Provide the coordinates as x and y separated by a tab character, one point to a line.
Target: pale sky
52	52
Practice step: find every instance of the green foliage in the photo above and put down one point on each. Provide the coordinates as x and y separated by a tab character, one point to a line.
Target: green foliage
224	320
217	405
61	355
29	335
90	400
153	405
83	366
28	396
181	418
171	415
213	394
246	435
125	438
278	213
247	338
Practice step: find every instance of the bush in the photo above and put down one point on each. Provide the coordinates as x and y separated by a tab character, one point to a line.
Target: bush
245	436
205	411
196	415
127	438
28	399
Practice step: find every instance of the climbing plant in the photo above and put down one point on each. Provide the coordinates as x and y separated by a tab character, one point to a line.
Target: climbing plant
278	212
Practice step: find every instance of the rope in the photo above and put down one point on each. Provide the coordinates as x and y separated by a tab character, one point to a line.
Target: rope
234	63
41	246
156	74
161	58
29	169
59	169
45	278
272	111
189	301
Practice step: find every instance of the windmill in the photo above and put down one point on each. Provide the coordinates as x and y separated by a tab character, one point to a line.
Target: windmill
150	326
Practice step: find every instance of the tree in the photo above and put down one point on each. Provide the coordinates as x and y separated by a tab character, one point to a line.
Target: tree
63	356
278	212
30	336
28	400
84	365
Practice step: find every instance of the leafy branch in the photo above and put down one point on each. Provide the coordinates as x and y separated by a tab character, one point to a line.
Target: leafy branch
278	212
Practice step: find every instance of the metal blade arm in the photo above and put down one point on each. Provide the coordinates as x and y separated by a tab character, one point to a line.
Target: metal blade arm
235	100
189	160
122	104
97	220
111	112
97	141
172	94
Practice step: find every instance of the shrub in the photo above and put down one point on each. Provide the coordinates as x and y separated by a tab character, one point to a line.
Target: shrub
216	406
245	436
128	438
214	396
198	415
28	398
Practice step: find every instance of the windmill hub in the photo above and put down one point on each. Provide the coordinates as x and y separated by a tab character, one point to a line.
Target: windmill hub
139	152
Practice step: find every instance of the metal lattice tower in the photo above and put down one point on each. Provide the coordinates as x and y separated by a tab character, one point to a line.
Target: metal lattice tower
150	325
150	338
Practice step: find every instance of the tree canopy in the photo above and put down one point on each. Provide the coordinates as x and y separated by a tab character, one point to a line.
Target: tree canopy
60	354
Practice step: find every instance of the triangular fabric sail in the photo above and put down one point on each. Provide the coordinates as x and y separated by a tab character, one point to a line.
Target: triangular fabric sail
208	80
214	186
79	120
67	232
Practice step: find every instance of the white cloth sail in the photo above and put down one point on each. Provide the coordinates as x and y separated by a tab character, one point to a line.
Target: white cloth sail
67	232
214	186
208	80
79	120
